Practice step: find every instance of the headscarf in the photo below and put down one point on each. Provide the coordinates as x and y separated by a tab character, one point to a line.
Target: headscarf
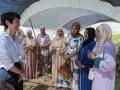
58	29
29	31
20	32
105	33
77	25
57	38
105	36
91	36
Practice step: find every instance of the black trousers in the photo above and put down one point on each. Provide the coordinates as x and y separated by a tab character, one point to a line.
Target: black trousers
15	78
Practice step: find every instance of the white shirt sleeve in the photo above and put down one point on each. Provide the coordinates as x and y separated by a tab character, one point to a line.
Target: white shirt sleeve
20	50
5	58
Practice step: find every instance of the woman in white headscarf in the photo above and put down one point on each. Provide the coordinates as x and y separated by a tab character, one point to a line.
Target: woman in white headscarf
30	55
57	50
104	56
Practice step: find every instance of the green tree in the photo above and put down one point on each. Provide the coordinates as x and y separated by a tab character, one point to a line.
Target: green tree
118	63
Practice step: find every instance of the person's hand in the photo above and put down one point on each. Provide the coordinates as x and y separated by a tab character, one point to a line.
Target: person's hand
53	49
91	55
22	76
63	50
20	79
67	58
31	47
61	53
45	46
67	43
78	63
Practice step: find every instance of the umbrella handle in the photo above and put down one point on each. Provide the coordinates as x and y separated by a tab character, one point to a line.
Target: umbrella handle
32	27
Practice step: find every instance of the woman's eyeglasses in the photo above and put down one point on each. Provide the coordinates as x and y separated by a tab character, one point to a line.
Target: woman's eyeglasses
59	31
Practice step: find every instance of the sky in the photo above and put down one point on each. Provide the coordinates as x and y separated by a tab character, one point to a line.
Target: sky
114	26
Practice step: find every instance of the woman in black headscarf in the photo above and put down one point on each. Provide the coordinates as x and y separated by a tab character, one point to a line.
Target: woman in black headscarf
86	64
89	36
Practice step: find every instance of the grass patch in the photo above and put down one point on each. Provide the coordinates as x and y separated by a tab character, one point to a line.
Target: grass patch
117	83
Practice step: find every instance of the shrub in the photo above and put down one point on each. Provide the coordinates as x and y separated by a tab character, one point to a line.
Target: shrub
118	63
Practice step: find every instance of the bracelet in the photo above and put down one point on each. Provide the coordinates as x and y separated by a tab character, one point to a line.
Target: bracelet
96	62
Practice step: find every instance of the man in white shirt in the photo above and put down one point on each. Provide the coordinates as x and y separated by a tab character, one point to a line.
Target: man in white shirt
11	51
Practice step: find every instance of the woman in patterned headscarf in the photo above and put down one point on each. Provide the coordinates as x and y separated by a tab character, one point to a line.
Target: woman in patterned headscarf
104	56
72	44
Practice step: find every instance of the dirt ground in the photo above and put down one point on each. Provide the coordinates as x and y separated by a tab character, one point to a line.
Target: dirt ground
40	83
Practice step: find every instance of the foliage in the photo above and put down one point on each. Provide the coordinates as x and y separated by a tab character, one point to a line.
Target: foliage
118	63
116	40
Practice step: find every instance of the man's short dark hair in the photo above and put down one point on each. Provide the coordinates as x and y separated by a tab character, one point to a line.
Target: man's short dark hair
10	16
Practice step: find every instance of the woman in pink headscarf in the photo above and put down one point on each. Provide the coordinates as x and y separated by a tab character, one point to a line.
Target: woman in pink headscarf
30	55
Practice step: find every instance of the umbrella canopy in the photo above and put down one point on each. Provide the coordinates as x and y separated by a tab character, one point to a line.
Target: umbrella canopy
56	17
15	5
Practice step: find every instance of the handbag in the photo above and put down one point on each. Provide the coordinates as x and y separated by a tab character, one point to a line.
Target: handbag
67	60
65	71
91	74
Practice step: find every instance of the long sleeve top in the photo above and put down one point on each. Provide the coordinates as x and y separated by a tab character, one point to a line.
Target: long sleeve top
11	51
83	54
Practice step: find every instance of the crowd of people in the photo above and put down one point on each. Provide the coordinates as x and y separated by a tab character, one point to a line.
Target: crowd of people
79	62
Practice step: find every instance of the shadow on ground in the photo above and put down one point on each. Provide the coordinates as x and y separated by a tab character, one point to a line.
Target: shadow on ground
40	87
43	87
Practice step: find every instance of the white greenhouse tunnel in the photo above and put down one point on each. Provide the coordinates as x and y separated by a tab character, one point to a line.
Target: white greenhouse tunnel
55	13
